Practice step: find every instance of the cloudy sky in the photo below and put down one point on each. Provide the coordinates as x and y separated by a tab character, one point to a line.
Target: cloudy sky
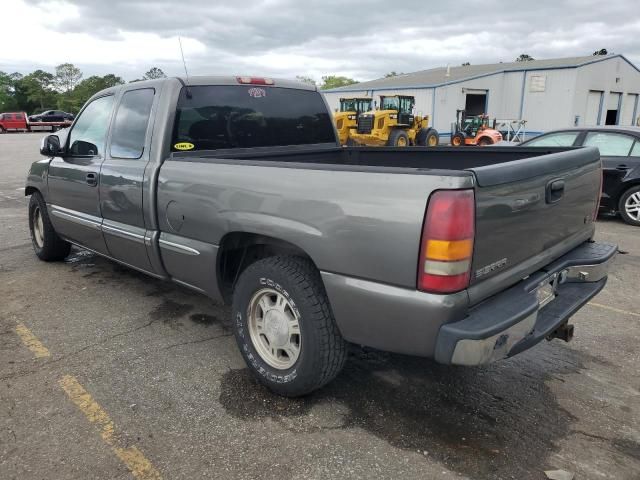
285	38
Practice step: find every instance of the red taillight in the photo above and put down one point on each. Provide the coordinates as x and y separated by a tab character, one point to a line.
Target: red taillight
446	248
254	80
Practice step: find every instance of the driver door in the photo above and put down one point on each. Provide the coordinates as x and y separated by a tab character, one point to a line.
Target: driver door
74	200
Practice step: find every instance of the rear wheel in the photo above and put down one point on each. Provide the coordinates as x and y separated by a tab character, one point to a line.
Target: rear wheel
457	140
398	138
1	130
629	206
46	242
427	137
484	141
284	326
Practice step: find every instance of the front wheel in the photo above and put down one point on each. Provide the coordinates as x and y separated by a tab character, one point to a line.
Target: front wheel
46	242
284	326
398	138
427	137
457	140
629	206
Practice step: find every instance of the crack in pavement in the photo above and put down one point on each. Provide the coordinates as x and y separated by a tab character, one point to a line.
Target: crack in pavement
197	341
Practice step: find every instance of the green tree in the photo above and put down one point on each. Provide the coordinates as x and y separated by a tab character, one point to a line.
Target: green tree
524	58
39	88
602	51
7	100
466	64
304	79
154	73
392	74
86	89
67	77
333	81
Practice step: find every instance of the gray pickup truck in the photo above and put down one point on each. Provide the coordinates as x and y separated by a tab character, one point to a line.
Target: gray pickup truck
236	187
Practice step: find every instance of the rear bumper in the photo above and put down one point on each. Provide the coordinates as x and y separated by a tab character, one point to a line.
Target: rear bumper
515	320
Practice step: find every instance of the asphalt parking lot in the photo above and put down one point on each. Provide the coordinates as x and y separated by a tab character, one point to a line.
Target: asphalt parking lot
105	373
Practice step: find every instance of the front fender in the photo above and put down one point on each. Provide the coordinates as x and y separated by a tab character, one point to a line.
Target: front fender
37	178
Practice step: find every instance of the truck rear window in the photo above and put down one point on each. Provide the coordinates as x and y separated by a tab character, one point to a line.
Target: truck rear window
245	116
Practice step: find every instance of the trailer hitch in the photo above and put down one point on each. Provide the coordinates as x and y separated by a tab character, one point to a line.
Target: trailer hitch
563	332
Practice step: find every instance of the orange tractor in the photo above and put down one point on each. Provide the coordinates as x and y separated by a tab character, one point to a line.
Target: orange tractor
474	130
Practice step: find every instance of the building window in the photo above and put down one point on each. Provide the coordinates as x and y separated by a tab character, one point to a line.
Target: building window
538	83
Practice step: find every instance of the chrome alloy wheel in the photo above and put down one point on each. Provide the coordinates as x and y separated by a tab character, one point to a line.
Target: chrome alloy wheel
632	206
274	328
38	227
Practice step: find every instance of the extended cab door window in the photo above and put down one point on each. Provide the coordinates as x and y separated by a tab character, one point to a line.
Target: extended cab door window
130	124
88	135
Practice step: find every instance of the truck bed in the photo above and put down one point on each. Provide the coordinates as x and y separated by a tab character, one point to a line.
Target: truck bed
441	158
368	223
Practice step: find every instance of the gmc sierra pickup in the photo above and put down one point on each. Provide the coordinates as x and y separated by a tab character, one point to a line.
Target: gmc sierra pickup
237	187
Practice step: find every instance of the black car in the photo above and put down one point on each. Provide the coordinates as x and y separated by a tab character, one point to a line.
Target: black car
51	116
620	152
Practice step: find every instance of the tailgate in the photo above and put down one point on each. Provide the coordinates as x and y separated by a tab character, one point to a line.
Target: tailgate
530	212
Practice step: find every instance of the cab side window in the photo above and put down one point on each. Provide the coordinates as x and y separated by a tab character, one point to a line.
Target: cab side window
87	138
130	124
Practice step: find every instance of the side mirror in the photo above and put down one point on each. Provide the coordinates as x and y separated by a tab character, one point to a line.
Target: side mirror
50	146
83	149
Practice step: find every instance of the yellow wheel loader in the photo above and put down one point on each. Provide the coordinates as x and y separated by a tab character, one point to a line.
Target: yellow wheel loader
346	117
394	125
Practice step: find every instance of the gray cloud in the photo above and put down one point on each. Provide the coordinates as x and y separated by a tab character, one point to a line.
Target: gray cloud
365	39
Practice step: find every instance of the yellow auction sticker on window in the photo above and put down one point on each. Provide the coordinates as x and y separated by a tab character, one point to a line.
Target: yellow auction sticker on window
184	146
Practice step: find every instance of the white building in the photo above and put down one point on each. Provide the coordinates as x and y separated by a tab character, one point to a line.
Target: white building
548	94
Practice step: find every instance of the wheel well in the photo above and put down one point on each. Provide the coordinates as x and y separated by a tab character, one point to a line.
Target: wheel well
238	250
30	191
624	187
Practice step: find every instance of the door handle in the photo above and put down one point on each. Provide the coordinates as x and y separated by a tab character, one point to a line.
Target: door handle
92	179
622	166
555	190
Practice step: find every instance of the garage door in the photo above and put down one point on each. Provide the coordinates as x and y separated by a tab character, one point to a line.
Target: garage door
629	109
593	107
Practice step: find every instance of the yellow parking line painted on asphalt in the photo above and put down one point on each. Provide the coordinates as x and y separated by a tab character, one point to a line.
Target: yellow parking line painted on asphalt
613	309
31	341
133	458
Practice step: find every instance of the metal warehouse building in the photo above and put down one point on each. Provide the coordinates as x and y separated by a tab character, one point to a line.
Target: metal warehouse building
547	94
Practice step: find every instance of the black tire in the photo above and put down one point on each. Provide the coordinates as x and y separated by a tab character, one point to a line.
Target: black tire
398	137
1	130
485	142
457	140
53	247
432	139
322	351
633	191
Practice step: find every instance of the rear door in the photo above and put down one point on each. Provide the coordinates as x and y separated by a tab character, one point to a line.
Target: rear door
530	212
122	178
617	162
73	177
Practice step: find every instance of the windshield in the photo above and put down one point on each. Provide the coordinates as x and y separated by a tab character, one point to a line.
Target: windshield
355	105
390	103
244	116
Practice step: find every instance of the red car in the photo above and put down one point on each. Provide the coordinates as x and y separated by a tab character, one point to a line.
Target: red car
13	121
